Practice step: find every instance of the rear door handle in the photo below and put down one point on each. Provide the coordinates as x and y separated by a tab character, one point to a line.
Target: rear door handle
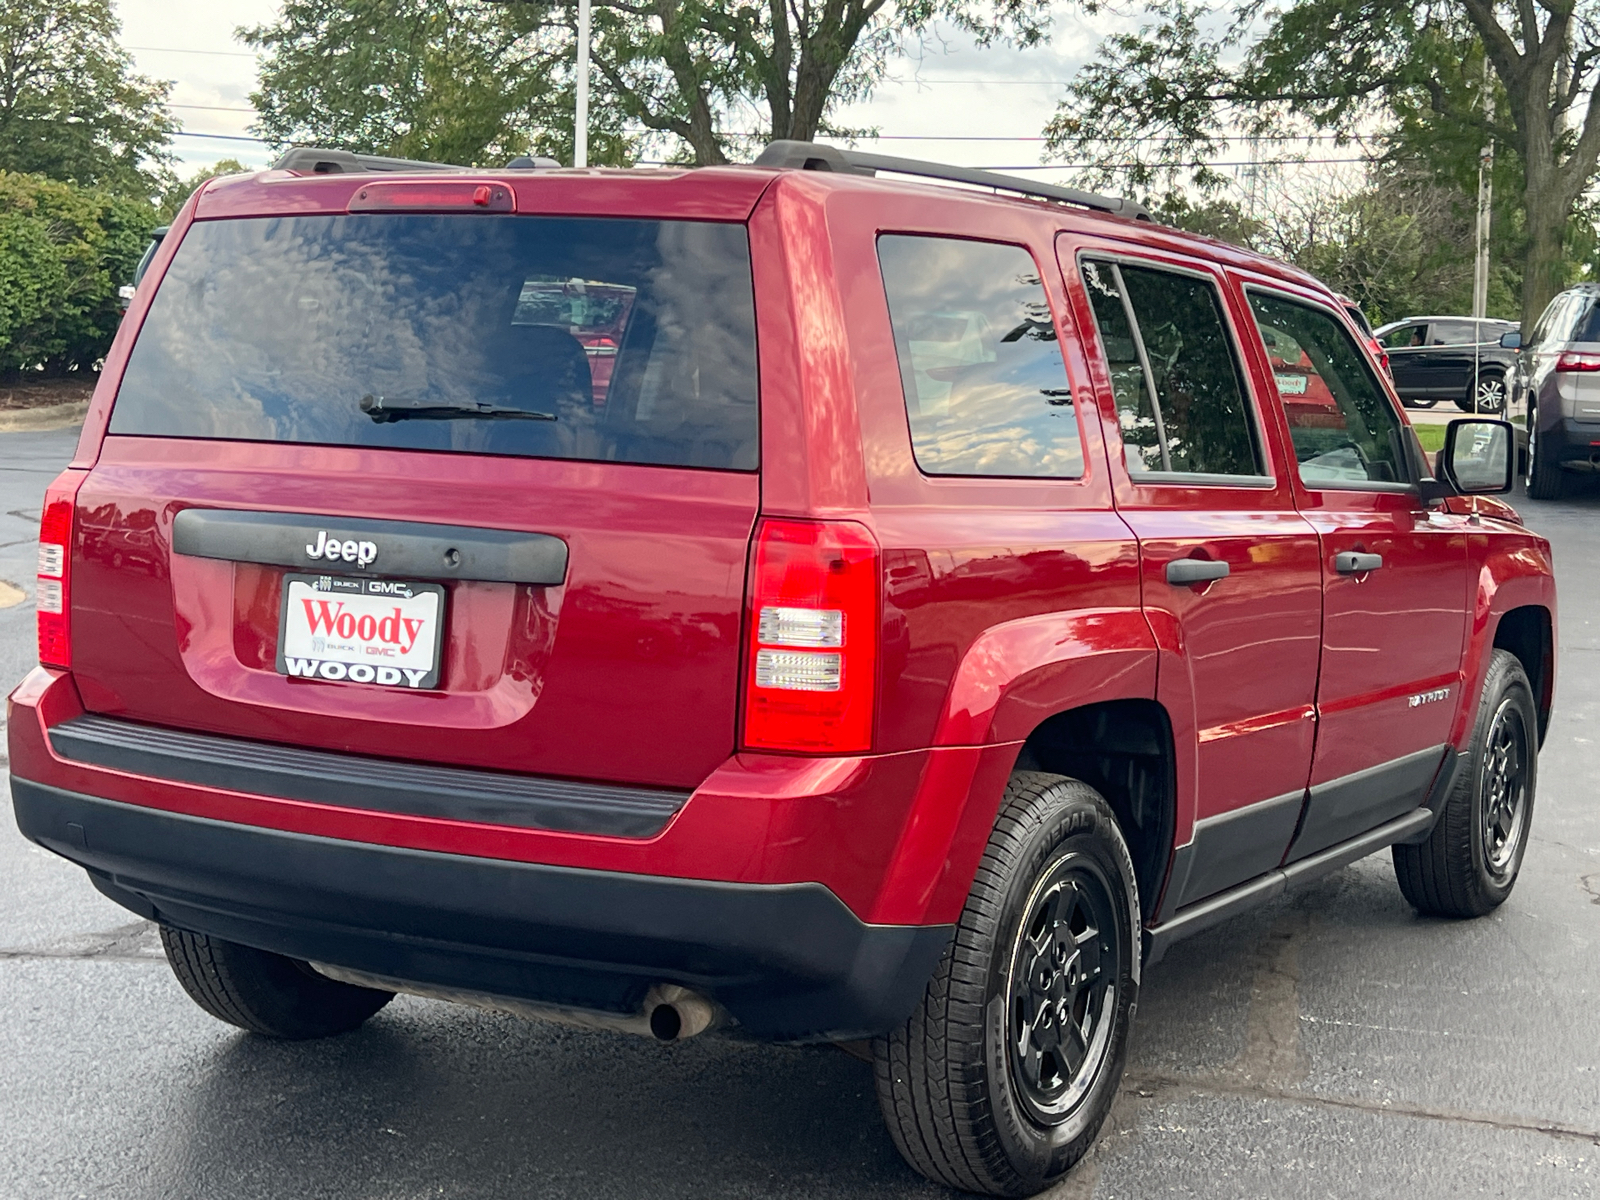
1181	572
1352	562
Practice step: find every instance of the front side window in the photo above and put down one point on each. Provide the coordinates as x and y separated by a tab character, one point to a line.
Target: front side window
1344	429
553	337
985	386
1180	399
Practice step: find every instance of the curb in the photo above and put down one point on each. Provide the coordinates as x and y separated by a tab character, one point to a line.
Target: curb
39	420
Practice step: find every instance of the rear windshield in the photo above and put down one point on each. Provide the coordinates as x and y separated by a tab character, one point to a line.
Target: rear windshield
612	340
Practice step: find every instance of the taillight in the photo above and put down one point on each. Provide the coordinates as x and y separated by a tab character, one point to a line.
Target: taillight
1571	361
811	678
52	592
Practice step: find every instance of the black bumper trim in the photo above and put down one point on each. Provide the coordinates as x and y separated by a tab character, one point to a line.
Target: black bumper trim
374	784
789	961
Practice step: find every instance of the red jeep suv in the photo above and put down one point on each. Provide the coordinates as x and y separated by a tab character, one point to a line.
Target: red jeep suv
941	601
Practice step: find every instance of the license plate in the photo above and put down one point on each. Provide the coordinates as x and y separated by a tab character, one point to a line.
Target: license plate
379	631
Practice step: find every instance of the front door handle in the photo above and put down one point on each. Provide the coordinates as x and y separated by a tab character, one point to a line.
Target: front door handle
1353	562
1181	572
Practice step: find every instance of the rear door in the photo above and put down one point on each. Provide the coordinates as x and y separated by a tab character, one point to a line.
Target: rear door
549	424
1228	566
1394	582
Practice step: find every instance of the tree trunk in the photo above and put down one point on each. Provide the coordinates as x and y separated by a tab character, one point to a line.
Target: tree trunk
1544	259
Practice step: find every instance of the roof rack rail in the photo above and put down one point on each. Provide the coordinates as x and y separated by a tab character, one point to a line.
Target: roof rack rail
815	156
316	160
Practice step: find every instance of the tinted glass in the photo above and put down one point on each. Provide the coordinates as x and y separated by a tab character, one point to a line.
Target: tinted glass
985	386
1452	333
1406	335
617	340
1344	429
1141	444
1587	326
1360	319
1199	407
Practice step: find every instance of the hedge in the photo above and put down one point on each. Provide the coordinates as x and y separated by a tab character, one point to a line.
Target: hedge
64	251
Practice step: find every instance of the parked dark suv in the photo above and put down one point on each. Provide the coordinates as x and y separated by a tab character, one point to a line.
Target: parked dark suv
1450	358
952	599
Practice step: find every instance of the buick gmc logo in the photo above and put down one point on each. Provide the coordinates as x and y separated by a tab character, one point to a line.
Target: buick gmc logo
335	550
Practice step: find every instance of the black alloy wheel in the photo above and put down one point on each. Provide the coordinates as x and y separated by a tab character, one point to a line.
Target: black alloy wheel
1469	862
1504	791
1062	999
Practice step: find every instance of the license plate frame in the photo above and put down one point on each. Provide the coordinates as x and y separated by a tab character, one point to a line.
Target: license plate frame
407	668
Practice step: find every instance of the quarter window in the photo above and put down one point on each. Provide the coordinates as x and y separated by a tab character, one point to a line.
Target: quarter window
985	386
1343	427
1180	399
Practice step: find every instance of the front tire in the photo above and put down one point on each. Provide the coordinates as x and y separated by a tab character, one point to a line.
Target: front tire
265	993
1469	863
1414	403
1001	1079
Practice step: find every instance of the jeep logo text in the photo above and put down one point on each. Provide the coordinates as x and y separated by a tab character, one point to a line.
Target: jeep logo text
334	550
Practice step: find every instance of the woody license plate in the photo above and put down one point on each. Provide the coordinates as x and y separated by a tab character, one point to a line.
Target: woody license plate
385	632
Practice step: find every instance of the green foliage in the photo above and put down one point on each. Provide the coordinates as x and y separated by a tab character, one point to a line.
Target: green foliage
448	80
64	251
71	106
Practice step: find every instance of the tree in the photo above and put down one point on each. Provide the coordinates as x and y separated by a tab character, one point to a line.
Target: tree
71	106
449	80
693	68
1342	65
473	80
64	250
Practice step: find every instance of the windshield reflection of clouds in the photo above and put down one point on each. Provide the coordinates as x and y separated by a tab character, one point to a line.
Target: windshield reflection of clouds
986	389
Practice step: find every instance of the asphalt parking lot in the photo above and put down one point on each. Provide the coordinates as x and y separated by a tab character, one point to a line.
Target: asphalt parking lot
1332	1044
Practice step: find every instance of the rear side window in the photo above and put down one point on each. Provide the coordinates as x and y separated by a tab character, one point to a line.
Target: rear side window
1343	427
1180	398
629	341
985	386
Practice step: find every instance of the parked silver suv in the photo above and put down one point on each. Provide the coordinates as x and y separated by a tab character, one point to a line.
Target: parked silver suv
1558	385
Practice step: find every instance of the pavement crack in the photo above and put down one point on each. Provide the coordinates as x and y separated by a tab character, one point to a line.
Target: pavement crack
1162	1085
137	941
1271	1055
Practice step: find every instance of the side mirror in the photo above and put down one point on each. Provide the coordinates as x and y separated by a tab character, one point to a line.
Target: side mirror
1479	457
1511	340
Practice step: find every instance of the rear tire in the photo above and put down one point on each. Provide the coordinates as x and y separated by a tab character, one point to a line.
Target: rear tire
1489	393
1001	1079
1546	479
1469	863
1421	403
265	993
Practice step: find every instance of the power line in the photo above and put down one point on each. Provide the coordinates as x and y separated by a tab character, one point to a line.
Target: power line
182	50
221	137
213	107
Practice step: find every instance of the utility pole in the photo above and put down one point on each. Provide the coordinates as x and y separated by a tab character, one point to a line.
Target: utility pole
580	131
1480	274
1480	268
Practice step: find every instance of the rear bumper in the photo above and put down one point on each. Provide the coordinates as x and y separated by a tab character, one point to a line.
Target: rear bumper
1576	444
789	961
811	897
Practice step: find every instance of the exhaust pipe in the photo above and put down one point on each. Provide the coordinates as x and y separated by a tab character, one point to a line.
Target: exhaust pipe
677	1013
670	1013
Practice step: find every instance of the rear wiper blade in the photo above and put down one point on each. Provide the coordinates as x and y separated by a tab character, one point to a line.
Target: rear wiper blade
386	408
